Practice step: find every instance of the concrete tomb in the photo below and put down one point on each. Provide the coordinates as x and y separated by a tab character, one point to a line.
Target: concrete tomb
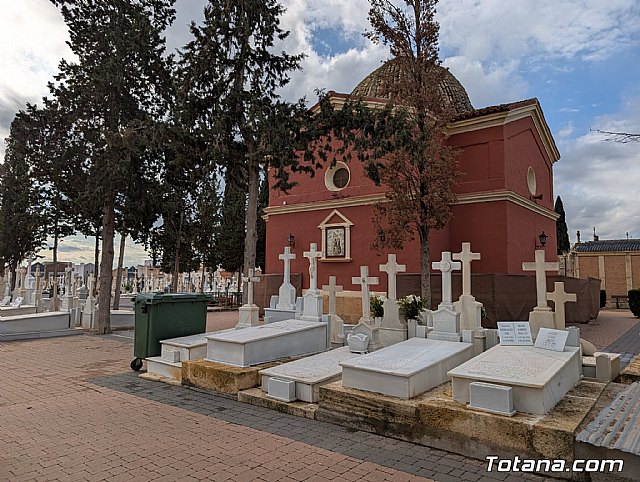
406	369
265	343
176	350
307	374
540	378
37	325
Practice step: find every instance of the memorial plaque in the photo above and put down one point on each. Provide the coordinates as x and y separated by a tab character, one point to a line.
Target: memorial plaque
553	340
515	333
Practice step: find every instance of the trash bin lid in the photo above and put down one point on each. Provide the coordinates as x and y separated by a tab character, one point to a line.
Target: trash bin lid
154	298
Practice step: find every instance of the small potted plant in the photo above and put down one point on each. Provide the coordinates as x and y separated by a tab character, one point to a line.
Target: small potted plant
377	308
411	306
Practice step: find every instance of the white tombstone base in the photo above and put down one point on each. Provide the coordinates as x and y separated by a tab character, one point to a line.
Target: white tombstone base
308	373
373	332
492	398
391	336
248	316
539	378
392	318
406	369
265	343
337	330
273	315
470	312
540	318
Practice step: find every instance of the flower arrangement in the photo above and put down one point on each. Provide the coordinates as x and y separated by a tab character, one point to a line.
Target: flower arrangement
411	306
377	302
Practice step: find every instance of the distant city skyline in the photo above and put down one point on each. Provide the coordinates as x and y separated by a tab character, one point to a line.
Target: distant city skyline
580	58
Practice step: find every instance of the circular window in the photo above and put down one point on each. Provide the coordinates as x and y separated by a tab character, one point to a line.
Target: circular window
337	177
531	181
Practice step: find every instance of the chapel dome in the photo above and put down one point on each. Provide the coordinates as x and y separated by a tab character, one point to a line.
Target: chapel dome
453	89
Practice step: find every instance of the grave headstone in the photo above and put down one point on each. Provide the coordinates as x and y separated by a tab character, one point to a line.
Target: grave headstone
312	307
515	333
365	324
393	328
559	298
337	324
248	313
554	340
541	316
286	293
470	310
446	322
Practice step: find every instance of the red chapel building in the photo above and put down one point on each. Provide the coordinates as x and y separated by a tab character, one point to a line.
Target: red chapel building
504	199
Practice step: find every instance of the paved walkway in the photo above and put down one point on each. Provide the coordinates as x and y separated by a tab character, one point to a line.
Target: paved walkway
71	409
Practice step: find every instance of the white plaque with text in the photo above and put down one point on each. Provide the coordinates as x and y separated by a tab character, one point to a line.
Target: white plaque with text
549	339
516	333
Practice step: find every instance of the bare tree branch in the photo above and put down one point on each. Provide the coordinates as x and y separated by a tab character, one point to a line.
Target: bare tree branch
619	137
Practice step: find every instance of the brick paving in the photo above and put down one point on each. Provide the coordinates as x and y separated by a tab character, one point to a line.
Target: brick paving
71	409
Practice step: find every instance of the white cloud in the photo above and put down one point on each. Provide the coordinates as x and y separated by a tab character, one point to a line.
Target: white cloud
598	179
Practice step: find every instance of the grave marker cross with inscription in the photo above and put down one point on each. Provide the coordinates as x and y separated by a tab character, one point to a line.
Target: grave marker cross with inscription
560	297
364	280
446	266
466	257
392	268
250	280
313	254
540	266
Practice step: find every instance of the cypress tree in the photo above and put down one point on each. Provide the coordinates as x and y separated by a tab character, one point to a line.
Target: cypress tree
562	232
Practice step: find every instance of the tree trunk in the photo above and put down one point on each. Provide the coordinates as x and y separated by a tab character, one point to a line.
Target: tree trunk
425	266
116	295
54	289
251	218
106	267
176	261
96	259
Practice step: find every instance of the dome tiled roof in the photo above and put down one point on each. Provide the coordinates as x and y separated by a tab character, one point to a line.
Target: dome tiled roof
453	89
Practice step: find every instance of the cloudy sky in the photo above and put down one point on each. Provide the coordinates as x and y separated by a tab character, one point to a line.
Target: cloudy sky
580	58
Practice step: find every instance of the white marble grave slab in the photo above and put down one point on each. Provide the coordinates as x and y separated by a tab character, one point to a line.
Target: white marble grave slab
38	325
540	378
310	373
265	343
406	369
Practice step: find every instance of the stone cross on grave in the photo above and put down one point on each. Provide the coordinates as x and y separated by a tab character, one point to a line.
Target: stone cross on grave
313	254
392	269
364	280
540	266
286	293
332	288
250	280
446	266
560	297
466	257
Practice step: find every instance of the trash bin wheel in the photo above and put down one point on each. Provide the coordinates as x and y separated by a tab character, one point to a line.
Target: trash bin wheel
136	364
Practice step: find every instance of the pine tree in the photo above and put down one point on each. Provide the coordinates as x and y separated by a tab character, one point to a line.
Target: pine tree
232	72
562	232
117	91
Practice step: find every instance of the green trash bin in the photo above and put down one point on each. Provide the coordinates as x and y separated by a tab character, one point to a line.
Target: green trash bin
160	316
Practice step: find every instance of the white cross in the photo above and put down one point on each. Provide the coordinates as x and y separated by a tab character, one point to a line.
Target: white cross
540	266
560	297
250	280
313	256
332	288
466	256
446	266
392	269
364	280
287	256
